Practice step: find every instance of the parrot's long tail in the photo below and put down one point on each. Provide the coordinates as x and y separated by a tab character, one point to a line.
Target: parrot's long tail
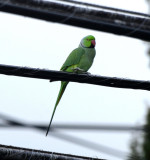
62	89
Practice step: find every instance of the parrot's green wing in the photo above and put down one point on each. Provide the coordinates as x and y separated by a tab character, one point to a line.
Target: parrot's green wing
74	58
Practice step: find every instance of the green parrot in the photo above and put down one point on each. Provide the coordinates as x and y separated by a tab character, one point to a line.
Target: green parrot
79	61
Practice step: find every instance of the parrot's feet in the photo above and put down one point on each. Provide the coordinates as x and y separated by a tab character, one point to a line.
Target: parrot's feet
77	70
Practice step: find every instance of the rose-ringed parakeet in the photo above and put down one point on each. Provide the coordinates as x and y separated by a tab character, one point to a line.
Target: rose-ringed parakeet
79	61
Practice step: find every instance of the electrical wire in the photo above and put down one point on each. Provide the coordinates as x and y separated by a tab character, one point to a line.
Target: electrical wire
107	21
19	153
106	8
81	78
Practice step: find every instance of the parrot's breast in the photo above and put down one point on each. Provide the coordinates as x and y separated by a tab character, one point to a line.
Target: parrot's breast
87	59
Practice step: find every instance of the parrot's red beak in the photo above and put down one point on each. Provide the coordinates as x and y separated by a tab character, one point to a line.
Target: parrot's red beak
93	43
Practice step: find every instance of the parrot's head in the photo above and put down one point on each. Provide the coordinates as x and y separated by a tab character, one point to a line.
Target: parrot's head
88	42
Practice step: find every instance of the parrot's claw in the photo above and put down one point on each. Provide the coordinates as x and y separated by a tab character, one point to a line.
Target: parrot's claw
77	70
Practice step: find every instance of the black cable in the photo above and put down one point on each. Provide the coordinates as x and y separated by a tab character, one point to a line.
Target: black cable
19	153
144	15
81	78
107	21
55	132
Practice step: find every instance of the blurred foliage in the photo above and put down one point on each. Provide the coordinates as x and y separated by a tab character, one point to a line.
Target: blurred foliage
135	147
140	150
146	142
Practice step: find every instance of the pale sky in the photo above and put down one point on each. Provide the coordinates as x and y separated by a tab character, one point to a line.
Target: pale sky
35	43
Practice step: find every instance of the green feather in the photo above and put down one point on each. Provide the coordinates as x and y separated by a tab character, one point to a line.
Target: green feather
73	58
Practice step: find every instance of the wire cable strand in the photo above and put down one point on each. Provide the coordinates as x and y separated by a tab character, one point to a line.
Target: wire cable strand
106	8
19	153
85	17
56	133
81	78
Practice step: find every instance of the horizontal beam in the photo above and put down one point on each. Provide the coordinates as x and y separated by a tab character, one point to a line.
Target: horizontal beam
81	78
81	16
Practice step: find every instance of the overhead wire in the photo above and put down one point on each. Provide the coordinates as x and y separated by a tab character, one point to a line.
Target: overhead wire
81	78
106	8
12	122
19	153
56	132
121	23
89	144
